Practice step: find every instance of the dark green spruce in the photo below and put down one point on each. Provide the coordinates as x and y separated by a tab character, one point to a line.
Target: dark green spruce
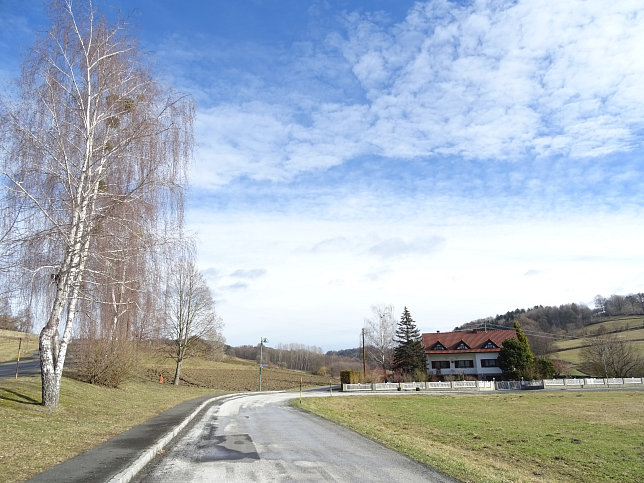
409	354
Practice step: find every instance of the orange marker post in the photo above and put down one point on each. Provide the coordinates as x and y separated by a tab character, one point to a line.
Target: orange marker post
18	361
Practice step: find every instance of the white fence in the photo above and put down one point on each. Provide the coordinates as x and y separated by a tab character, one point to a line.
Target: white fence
576	383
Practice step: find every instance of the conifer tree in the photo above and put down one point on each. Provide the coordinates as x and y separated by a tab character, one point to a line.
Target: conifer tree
515	357
409	354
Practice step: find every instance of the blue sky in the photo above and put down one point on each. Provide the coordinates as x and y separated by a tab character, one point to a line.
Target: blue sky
459	158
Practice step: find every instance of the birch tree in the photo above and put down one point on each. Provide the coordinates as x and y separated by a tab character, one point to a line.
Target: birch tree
88	133
191	311
380	332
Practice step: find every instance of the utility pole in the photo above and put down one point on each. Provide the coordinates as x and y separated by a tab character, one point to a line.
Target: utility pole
364	358
603	353
262	341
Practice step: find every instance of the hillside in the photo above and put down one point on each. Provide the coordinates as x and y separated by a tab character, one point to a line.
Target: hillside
570	349
568	318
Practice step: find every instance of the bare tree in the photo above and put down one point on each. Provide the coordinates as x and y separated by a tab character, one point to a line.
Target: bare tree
610	356
380	330
191	311
90	132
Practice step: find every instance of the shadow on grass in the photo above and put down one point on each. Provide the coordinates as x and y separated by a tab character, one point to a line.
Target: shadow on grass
19	398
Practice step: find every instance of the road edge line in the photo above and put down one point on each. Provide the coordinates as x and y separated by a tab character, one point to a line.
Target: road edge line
130	472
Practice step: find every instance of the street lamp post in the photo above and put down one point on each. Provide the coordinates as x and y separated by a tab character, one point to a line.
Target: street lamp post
262	341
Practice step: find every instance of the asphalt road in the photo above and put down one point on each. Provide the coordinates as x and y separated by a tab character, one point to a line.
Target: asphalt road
260	437
29	366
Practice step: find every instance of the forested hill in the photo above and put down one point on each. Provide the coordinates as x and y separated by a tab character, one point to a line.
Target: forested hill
568	317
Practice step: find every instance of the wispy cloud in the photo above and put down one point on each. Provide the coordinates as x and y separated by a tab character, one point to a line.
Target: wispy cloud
485	81
235	286
398	247
249	274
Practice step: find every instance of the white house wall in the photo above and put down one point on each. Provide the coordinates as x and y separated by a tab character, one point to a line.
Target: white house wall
477	370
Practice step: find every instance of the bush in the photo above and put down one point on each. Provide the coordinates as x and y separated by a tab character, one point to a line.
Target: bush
105	362
420	375
350	377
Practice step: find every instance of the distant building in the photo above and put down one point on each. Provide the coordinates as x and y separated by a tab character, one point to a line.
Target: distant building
472	353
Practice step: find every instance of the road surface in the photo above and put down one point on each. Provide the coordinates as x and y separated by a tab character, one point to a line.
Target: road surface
29	366
260	437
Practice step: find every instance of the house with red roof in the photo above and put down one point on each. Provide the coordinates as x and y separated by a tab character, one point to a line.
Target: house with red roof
470	353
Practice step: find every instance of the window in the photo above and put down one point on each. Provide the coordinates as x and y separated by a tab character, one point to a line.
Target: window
440	364
490	345
464	364
438	347
462	346
489	363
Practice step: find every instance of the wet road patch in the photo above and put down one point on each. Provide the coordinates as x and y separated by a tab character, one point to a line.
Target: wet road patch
229	447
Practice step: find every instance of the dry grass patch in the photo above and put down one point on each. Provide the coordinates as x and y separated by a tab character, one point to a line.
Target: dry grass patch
33	439
240	378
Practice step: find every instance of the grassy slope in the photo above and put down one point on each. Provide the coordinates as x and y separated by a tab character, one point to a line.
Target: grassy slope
571	436
629	327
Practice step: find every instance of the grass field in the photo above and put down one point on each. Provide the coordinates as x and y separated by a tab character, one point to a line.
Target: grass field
571	436
623	322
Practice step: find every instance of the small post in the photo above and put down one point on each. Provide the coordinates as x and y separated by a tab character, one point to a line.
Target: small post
18	360
330	388
300	390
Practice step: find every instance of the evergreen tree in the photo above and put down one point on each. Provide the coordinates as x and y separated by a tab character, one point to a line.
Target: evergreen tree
522	337
515	358
409	354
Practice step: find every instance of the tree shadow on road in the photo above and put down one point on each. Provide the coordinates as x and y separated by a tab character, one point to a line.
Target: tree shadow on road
19	398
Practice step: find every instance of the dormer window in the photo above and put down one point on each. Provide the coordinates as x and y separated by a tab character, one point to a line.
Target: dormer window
462	346
490	345
438	347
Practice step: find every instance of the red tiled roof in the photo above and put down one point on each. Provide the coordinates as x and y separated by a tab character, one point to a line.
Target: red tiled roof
475	340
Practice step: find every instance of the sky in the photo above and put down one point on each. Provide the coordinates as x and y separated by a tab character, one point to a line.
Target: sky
459	158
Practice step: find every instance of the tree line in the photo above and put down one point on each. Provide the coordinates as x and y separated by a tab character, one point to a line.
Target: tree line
299	357
566	318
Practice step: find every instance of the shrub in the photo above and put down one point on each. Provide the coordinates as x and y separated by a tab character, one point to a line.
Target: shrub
350	377
105	362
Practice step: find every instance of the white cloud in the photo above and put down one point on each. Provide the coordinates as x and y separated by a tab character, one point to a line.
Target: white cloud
486	81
